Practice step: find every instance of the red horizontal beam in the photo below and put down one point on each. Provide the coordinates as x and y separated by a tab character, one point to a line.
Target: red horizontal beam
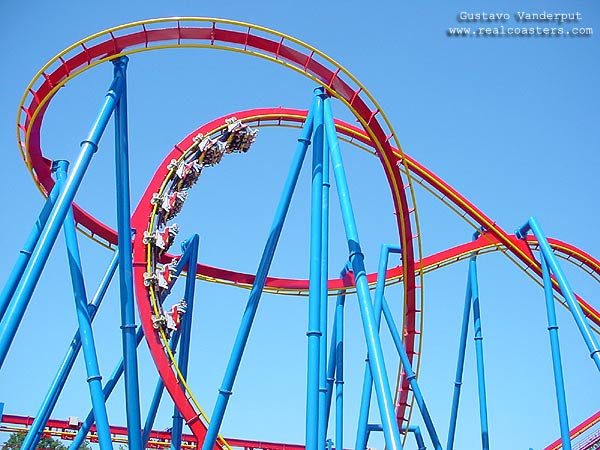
158	439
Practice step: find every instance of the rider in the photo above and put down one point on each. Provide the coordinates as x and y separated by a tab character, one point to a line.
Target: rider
175	315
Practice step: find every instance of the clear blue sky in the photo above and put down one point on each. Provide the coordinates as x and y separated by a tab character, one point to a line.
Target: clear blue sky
512	123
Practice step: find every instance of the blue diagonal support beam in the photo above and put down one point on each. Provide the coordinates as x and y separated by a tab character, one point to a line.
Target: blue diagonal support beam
376	360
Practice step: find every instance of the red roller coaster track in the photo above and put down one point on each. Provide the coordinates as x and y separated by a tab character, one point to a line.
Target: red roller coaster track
376	134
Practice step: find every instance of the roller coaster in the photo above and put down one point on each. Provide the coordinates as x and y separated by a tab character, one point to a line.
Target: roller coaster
148	271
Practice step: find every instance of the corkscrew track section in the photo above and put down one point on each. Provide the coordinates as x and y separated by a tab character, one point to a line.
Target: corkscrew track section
519	250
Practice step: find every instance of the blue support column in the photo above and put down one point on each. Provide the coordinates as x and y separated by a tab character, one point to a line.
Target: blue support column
186	330
16	309
109	386
418	436
339	372
367	390
313	401
376	361
132	394
331	361
15	276
362	434
380	305
565	287
41	418
155	403
485	440
158	391
559	382
412	429
35	431
118	371
335	366
261	275
460	366
85	331
411	377
323	403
